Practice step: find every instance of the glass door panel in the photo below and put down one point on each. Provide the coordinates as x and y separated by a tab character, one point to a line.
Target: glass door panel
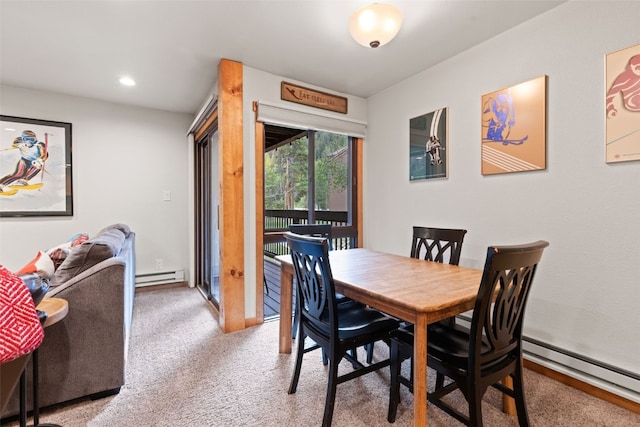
215	231
207	235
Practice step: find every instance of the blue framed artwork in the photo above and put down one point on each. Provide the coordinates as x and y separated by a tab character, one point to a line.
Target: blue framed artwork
428	142
35	168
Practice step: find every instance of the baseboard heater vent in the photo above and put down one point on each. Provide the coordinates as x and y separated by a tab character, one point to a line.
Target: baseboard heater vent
611	378
159	278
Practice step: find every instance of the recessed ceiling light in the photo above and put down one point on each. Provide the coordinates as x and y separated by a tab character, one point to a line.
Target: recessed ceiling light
127	81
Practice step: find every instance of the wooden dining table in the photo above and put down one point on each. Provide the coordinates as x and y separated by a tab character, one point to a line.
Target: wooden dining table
418	291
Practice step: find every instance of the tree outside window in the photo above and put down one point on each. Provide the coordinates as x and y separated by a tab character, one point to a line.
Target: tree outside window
287	174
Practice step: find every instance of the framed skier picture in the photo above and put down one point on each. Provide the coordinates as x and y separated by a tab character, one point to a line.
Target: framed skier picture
622	105
514	128
428	143
35	168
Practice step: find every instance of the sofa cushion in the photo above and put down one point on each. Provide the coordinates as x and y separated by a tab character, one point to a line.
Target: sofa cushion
104	245
122	227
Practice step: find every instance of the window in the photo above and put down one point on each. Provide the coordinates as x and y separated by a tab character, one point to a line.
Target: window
308	179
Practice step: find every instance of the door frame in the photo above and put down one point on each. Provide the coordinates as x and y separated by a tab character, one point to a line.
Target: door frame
259	168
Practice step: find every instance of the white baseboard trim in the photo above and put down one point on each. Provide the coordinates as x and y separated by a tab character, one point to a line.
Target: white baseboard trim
159	278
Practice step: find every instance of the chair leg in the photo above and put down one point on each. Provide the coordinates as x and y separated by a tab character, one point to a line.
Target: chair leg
294	326
331	392
475	407
439	380
296	373
518	389
266	287
354	353
369	348
411	373
394	389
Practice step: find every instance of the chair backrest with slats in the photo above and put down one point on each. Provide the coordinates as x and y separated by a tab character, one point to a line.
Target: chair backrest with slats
437	244
314	230
316	297
496	325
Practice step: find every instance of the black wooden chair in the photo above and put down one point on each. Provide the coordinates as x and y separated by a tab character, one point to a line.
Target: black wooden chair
318	230
314	230
437	244
490	350
442	245
336	328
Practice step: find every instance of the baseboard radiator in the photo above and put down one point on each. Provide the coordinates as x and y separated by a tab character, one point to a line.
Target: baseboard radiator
613	379
159	278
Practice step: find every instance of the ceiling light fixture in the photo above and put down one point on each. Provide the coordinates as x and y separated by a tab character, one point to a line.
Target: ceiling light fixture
375	25
127	81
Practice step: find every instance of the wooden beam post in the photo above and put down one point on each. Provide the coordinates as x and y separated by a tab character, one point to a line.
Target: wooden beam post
231	215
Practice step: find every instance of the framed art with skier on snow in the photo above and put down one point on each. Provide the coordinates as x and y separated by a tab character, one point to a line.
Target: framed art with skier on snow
35	167
514	128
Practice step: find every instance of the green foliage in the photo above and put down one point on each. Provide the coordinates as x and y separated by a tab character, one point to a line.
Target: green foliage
331	164
287	177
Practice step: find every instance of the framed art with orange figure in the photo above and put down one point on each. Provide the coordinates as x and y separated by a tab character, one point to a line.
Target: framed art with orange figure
622	105
514	128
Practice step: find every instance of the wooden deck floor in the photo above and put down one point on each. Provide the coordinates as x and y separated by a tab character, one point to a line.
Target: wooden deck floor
272	298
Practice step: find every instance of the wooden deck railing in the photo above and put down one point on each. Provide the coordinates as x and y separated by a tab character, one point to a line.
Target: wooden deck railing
276	222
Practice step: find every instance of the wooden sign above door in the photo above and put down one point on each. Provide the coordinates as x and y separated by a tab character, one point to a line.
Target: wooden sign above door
313	98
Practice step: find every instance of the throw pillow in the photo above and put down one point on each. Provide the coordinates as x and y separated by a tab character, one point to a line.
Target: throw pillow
41	264
75	240
90	253
78	239
20	328
57	255
60	252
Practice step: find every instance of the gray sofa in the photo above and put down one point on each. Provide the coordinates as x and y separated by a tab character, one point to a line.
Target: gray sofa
85	353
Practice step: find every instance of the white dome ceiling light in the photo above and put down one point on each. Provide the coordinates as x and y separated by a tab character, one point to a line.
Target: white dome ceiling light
126	81
375	25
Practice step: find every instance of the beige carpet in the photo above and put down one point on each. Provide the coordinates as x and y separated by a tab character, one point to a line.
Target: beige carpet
182	371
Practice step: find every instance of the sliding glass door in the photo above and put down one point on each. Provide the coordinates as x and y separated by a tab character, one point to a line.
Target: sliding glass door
206	222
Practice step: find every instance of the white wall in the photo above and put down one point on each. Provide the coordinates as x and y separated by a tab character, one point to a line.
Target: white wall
123	158
263	86
586	294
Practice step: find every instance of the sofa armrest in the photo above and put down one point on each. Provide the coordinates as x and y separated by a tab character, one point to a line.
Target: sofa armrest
55	289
